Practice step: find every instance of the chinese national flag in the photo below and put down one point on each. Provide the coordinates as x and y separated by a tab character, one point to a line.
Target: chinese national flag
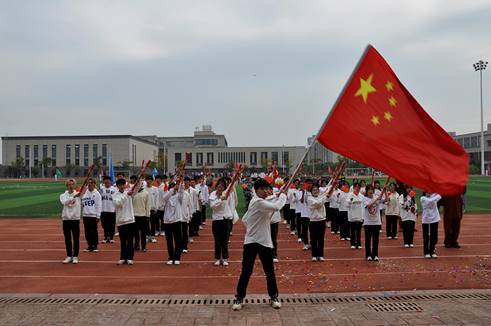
377	122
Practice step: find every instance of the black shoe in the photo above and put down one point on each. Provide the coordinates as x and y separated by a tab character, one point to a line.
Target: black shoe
456	245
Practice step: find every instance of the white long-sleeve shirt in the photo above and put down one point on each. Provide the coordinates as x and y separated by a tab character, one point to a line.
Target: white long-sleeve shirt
430	208
292	198
107	198
409	209
342	203
355	207
257	220
305	212
204	193
218	207
160	203
92	204
392	204
185	208
333	200
317	207
232	202
170	200
124	208
71	206
142	203
155	197
371	212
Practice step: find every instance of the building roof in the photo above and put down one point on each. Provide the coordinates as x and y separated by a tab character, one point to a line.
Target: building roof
78	137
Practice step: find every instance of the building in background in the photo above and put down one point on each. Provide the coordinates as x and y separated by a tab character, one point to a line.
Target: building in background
471	142
319	154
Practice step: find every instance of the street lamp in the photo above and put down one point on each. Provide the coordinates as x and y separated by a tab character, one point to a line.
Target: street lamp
480	66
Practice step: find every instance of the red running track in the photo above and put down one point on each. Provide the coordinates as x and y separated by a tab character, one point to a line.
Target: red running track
31	251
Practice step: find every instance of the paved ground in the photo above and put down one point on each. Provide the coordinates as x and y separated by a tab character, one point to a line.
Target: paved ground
458	307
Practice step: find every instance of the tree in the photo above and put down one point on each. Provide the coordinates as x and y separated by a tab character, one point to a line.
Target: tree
45	163
17	167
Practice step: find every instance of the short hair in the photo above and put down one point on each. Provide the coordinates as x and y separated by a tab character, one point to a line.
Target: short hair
368	187
148	177
133	177
106	177
70	180
172	185
187	178
120	182
261	183
158	176
90	180
197	177
120	174
165	176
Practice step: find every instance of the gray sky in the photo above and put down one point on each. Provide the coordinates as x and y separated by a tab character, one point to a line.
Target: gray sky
260	72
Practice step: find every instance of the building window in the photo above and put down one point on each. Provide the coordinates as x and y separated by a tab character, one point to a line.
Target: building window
209	159
264	157
274	157
467	142
474	143
253	158
68	154
286	159
77	154
53	155
189	159
206	142
36	155
17	152
177	158
45	151
489	143
199	159
86	154
95	155
27	154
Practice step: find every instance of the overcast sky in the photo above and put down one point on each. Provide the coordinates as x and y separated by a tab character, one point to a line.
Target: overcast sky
260	72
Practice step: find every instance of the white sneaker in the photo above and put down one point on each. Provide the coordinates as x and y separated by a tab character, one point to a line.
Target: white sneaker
353	247
329	225
103	241
434	256
75	260
184	251
275	260
225	262
177	262
153	240
111	241
411	246
284	222
406	246
200	227
314	258
348	239
427	256
170	262
321	259
217	262
389	238
375	258
162	234
275	303
292	233
116	234
95	250
156	234
237	305
121	262
395	238
191	240
129	262
67	260
343	239
306	247
360	247
332	232
369	258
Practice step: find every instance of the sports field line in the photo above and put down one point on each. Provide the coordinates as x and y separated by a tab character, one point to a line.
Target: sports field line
226	276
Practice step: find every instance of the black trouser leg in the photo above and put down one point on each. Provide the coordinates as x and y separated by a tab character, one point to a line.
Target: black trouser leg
203	213
160	216
91	236
305	230
141	231
249	254
433	236
335	219
169	238
154	223
408	232
266	257
299	224
343	224
376	235
286	212
126	237
293	220
317	233
426	239
111	218
353	234
75	231
104	224
178	240
184	235
391	225
220	230
274	238
67	234
368	240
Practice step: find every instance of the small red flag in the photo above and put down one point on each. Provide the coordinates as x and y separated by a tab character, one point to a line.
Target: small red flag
377	122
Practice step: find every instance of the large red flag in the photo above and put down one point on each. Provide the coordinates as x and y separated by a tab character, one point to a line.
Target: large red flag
377	122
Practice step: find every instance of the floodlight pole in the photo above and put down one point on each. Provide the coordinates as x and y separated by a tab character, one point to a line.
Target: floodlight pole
480	66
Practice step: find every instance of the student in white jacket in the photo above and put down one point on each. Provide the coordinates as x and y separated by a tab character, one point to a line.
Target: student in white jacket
431	217
355	202
342	195
125	221
293	206
219	225
392	212
275	222
92	206
186	213
172	201
408	212
317	223
108	217
70	215
371	223
305	213
154	193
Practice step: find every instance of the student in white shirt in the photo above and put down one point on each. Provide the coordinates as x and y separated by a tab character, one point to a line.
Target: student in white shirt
275	222
286	209
298	211
305	213
125	220
431	217
153	221
344	226
196	202
187	213
258	241
92	205
172	200
334	210
355	202
108	216
392	212
142	208
219	206
70	215
408	212
317	223
371	223
293	205
204	197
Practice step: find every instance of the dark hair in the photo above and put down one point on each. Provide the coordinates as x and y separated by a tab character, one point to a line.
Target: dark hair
356	184
172	185
221	181
368	187
106	177
186	178
120	182
376	182
315	185
197	177
133	177
261	183
148	178
165	176
158	176
120	174
90	179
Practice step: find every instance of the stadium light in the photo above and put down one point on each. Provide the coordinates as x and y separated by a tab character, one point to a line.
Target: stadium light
480	66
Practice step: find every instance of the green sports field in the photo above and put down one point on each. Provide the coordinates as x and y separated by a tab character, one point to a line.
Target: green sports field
40	199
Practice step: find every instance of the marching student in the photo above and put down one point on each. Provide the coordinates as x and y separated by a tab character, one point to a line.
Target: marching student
275	222
298	211
431	217
392	212
172	200
232	203
355	202
408	212
154	200
108	216
92	204
70	216
186	212
196	200
305	213
322	189
371	223
293	206
125	220
342	195
334	210
363	186
286	209
258	242
159	221
142	206
219	225
317	223
204	198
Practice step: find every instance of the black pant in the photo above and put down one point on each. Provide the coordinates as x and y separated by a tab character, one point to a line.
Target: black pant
160	217
326	206
154	223
430	237
298	217
293	220
220	229
391	227
71	231
184	235
126	234
249	254
90	230
286	213
305	229
141	225
203	213
343	224
274	238
372	233
317	232
108	221
333	213
408	231
173	237
355	228
195	223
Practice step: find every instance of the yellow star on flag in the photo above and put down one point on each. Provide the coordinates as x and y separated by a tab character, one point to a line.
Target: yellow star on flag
388	116
392	101
375	120
365	88
389	86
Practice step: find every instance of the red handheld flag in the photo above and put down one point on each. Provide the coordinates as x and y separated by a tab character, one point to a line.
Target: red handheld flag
377	122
